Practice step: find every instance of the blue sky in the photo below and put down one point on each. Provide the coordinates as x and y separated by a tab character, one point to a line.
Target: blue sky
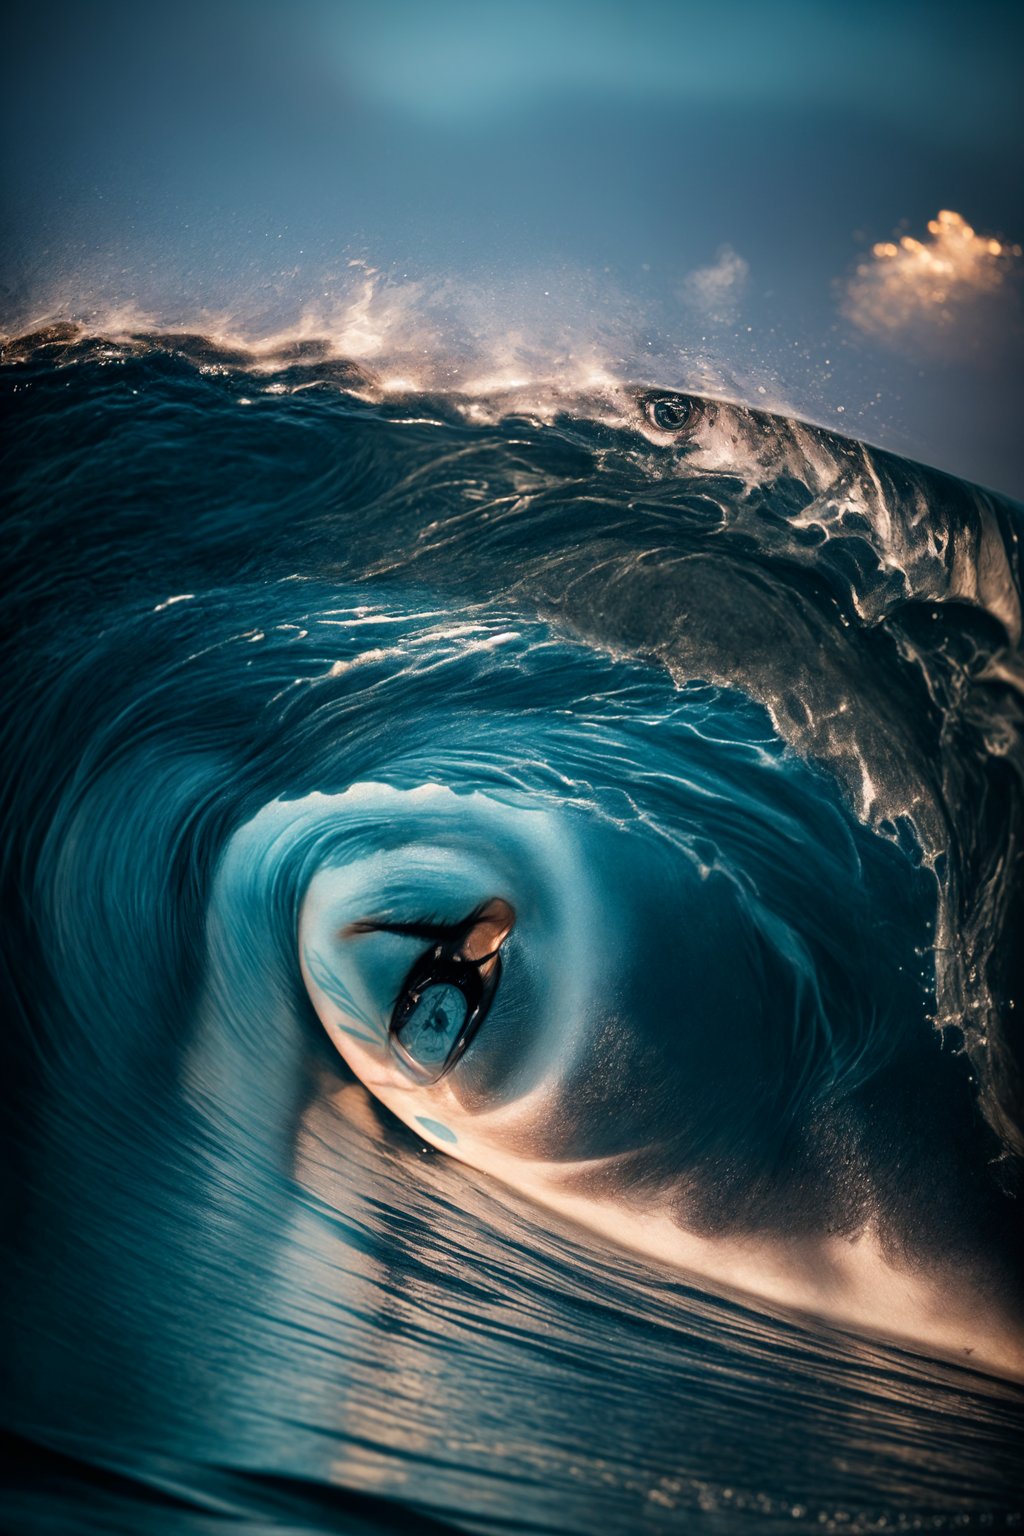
560	169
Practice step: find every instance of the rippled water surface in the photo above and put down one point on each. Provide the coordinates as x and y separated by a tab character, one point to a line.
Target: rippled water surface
240	1291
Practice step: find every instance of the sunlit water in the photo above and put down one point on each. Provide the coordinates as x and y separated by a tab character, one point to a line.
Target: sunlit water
238	1288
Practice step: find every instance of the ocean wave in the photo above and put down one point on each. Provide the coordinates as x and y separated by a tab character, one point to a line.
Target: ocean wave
733	704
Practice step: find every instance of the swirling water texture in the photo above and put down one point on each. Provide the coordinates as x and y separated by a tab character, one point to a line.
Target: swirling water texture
236	1284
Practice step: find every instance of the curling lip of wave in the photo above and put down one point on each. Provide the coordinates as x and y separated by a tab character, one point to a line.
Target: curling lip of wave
840	472
377	347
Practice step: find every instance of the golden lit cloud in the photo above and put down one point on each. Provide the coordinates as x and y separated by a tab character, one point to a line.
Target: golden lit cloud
927	288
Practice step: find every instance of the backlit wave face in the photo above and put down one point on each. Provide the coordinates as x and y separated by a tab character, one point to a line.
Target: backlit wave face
623	802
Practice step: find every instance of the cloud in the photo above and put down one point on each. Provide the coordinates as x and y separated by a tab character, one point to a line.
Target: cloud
715	292
937	292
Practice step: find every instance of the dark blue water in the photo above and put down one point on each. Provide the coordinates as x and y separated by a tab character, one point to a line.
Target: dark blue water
764	682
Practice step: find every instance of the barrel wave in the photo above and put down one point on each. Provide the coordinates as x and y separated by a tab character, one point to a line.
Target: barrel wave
512	1008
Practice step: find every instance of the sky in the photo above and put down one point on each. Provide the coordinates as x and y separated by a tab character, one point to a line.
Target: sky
740	197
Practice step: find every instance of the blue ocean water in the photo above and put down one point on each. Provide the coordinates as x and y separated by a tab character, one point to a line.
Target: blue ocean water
764	680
